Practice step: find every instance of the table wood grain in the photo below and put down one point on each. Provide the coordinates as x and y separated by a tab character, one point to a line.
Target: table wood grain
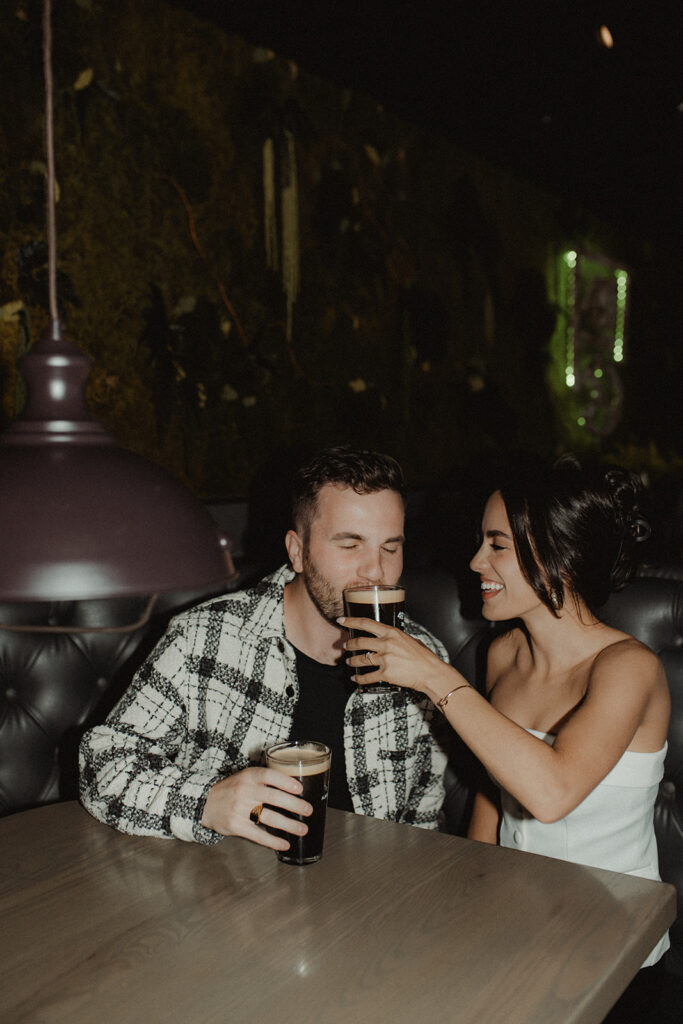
395	924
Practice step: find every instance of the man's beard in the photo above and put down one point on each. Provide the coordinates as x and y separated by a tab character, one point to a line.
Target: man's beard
327	600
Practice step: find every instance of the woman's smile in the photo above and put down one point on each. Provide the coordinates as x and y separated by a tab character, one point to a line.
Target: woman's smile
489	589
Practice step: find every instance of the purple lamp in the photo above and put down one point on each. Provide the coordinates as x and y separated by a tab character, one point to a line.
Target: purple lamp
81	517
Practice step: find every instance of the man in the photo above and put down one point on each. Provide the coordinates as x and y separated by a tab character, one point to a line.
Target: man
181	753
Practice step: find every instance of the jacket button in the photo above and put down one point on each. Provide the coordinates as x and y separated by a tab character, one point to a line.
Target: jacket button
289	690
280	646
517	836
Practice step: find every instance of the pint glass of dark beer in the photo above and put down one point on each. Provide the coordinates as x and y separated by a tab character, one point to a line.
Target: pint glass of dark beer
383	603
309	762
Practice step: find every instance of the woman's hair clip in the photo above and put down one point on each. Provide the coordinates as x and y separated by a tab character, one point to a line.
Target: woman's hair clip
640	530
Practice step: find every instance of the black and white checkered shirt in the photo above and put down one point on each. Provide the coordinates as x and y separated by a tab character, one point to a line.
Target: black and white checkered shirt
220	687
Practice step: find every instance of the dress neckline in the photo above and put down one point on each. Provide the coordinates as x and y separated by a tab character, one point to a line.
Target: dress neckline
553	736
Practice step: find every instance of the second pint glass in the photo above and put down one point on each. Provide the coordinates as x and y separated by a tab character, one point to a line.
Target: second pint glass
309	762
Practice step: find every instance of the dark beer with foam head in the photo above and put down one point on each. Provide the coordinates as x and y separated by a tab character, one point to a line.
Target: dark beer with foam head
382	602
309	762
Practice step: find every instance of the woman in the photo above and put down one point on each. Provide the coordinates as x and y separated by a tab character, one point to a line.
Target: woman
573	732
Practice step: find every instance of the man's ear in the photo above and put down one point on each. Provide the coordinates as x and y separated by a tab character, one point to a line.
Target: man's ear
295	550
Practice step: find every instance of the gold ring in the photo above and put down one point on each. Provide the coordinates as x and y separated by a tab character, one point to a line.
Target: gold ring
368	657
255	814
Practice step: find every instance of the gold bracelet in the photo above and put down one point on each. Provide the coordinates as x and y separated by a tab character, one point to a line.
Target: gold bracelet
444	700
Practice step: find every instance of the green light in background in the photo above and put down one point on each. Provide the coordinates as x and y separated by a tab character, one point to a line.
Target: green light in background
592	294
622	286
571	261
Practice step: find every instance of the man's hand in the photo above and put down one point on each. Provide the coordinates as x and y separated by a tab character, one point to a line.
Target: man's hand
231	800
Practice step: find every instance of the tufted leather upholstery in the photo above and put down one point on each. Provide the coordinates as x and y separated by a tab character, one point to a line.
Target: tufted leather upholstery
53	686
649	608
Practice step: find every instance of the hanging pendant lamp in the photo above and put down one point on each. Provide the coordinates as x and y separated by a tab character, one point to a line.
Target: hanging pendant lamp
81	517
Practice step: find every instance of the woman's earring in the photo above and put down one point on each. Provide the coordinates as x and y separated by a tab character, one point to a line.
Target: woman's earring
554	599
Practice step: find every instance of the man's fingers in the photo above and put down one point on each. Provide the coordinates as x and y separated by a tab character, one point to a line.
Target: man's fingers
278	780
272	819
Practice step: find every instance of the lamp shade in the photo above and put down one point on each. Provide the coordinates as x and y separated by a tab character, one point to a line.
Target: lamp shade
80	516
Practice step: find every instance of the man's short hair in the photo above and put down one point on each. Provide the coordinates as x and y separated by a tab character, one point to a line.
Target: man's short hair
365	471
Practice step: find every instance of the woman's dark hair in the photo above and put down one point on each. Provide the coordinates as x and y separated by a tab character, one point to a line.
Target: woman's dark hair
575	525
365	471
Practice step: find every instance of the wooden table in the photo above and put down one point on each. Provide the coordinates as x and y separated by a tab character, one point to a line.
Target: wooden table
395	924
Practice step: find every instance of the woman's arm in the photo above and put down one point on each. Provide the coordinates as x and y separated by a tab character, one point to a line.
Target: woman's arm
549	781
485	819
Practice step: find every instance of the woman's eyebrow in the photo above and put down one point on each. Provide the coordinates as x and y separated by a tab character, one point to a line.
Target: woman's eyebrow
498	533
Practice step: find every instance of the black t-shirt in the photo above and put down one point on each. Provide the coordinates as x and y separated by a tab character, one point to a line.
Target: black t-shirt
319	715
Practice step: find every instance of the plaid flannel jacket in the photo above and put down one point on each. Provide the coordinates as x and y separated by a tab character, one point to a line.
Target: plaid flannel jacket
221	686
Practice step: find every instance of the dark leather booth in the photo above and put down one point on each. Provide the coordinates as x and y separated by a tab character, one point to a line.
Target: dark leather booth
54	685
61	671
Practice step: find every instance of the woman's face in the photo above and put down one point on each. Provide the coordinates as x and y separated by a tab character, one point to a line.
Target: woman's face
505	592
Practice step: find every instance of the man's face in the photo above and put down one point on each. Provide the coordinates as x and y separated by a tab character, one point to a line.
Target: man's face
354	538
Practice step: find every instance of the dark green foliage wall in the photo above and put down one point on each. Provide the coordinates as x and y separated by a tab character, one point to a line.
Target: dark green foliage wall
423	316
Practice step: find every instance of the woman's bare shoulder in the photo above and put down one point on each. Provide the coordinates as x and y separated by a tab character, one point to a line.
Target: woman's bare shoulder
627	682
625	650
628	664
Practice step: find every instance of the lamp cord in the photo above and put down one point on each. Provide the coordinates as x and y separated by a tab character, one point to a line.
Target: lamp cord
49	148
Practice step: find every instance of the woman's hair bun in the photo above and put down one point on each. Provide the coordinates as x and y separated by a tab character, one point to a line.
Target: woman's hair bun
628	495
577	524
617	497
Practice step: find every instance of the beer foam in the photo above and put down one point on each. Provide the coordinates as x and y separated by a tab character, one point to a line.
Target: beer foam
300	761
375	596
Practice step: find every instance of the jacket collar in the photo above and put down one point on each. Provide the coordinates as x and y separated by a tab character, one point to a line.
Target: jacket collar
270	609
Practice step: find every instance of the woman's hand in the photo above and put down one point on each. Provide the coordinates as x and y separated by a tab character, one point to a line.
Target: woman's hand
397	658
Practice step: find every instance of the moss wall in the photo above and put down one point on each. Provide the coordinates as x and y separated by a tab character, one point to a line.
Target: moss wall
423	315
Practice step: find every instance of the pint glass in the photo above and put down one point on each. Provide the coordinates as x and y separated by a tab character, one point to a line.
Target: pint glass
309	762
383	603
